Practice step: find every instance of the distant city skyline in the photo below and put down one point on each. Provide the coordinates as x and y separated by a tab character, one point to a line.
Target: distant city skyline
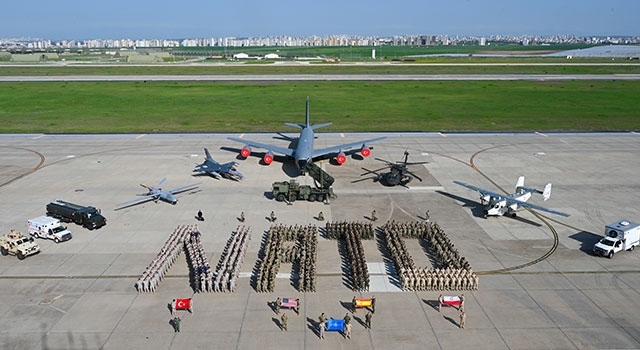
80	20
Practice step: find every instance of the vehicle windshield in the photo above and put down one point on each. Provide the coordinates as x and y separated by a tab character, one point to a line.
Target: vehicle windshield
606	242
59	229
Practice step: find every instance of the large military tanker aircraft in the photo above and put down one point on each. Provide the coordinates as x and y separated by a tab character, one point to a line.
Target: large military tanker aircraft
304	151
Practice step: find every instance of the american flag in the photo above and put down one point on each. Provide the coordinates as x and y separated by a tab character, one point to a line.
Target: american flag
289	302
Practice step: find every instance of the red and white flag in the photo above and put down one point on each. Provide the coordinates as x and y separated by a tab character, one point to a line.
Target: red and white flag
183	304
452	300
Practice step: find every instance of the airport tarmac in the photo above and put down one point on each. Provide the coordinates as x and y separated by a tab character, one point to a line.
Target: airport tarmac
540	285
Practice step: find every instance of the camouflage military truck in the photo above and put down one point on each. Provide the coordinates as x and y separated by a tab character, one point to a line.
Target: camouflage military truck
291	190
15	243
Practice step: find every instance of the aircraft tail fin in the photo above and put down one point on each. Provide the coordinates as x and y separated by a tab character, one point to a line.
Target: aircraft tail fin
547	192
520	182
206	152
307	123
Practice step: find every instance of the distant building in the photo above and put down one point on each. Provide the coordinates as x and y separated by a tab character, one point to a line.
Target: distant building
240	56
271	56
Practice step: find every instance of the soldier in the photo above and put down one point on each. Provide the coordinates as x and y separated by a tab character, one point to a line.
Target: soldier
426	216
463	318
367	320
242	217
283	321
320	216
322	318
347	318
354	304
273	216
440	302
373	216
373	304
461	308
347	330
278	303
176	324
322	327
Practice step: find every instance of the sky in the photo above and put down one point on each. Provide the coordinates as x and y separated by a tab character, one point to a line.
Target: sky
162	19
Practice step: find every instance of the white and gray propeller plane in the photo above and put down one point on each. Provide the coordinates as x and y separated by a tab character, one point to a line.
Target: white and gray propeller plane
496	204
156	193
304	151
210	166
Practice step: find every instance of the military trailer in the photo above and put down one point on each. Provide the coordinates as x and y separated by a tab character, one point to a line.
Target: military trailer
15	243
88	217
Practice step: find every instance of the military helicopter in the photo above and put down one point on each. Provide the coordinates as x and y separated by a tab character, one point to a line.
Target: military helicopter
398	173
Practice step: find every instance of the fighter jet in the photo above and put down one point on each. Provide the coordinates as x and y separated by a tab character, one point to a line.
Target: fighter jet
156	193
304	151
217	170
498	204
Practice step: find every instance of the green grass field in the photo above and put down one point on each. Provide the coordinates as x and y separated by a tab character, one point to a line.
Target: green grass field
138	107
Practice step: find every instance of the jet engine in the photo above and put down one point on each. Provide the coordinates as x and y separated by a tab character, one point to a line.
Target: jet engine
341	158
246	151
365	151
268	158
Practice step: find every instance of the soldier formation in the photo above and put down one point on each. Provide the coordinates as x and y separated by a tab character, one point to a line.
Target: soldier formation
228	268
154	273
353	233
302	253
454	272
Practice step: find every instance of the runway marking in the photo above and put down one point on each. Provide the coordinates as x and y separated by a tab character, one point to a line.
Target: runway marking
541	134
441	134
38	137
141	136
342	134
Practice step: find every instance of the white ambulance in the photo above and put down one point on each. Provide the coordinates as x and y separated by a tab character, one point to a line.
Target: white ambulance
46	227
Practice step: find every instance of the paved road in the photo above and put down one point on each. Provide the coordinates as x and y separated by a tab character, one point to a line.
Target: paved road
79	294
322	77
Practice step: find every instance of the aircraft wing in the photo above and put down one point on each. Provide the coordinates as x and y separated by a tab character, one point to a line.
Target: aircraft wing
334	149
183	188
272	148
482	191
537	207
139	199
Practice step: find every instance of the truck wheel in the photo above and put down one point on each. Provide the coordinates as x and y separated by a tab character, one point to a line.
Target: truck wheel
20	256
4	251
280	197
610	254
56	240
632	248
320	198
312	198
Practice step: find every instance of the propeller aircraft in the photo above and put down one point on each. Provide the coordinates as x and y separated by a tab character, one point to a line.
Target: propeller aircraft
496	204
156	193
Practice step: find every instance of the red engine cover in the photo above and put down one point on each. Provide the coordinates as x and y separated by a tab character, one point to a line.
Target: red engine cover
365	152
268	158
341	158
245	152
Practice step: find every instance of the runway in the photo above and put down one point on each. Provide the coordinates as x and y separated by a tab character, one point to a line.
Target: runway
319	77
540	287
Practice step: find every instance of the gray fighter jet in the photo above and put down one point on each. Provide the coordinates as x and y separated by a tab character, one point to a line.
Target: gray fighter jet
304	151
217	170
156	193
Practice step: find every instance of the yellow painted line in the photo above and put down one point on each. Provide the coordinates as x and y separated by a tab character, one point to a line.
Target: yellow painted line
38	137
141	136
342	134
441	134
241	135
541	134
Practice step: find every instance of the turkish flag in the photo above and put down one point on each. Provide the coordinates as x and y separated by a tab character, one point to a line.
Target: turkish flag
183	304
